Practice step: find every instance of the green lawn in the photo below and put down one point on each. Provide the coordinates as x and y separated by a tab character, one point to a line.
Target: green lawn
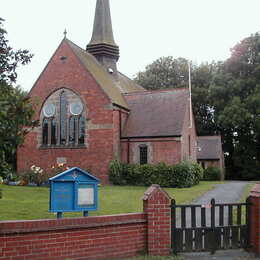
242	200
247	192
33	202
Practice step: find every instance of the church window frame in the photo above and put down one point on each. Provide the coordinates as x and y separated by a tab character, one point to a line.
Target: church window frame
63	128
45	131
143	154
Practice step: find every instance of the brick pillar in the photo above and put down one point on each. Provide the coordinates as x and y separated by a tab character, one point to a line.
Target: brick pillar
255	219
156	204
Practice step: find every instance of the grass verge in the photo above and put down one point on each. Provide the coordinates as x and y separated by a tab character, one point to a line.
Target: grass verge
242	200
19	202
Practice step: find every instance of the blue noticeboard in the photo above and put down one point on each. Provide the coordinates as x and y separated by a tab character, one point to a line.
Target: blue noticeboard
73	190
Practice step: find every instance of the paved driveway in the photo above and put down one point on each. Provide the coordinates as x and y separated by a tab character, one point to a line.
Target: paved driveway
223	193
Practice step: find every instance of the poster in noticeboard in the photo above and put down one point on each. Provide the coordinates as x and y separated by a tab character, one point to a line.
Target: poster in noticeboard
85	195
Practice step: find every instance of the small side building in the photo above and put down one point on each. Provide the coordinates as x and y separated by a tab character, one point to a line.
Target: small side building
159	128
210	153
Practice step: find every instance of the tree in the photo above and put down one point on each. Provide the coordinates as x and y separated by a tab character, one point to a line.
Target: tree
16	109
226	101
167	72
164	73
235	96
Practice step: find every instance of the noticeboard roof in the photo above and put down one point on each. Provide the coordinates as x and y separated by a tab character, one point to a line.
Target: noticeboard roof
69	174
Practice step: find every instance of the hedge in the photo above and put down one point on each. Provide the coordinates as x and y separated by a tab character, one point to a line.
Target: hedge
212	174
184	174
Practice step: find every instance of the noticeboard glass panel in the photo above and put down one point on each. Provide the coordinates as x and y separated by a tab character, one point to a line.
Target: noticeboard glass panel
86	195
63	196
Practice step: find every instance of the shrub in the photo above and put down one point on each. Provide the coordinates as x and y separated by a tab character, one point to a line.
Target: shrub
35	175
116	173
5	169
185	174
212	174
197	171
11	177
132	174
163	175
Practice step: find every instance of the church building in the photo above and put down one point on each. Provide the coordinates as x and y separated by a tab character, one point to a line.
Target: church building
90	113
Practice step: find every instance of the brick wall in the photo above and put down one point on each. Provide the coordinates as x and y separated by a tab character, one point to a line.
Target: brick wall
99	134
189	138
157	206
101	237
255	219
166	150
78	238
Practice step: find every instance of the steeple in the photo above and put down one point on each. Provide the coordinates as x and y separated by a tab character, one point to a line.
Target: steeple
102	44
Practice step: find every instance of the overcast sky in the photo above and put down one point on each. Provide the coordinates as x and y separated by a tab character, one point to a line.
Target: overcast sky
199	30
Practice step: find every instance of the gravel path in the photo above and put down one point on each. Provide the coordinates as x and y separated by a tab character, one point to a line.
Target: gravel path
229	192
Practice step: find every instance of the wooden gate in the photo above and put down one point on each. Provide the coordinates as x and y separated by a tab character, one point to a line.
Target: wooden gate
210	227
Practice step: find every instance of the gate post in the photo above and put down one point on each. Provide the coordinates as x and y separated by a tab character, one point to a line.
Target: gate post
156	203
254	221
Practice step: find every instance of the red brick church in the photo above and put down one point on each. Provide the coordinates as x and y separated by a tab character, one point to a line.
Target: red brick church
90	113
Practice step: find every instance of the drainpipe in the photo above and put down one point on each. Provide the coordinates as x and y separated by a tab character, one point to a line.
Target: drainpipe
128	150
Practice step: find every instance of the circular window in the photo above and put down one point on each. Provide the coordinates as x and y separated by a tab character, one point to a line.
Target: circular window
76	108
49	110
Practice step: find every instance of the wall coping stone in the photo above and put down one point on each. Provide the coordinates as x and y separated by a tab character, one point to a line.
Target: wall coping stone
44	225
255	191
152	189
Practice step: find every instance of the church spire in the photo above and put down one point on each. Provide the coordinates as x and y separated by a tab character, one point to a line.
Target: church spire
102	44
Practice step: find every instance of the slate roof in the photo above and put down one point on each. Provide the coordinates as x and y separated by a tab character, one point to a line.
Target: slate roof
156	113
112	87
102	29
127	85
209	148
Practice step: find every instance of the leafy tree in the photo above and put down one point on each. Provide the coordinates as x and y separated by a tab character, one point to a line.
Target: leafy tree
164	73
167	72
16	109
235	96
226	100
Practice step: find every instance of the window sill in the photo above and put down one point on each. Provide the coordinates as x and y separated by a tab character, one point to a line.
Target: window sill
45	147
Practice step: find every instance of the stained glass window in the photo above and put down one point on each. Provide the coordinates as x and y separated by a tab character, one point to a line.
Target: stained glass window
63	118
65	124
72	130
143	154
53	132
81	130
45	129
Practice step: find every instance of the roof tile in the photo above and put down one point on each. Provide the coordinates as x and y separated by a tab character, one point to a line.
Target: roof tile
209	148
112	87
156	113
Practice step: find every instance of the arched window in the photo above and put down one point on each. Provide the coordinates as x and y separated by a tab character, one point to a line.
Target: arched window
72	130
63	118
53	131
143	149
81	130
45	131
63	122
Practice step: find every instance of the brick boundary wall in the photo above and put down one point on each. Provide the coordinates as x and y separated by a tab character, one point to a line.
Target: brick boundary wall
97	237
157	206
255	219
